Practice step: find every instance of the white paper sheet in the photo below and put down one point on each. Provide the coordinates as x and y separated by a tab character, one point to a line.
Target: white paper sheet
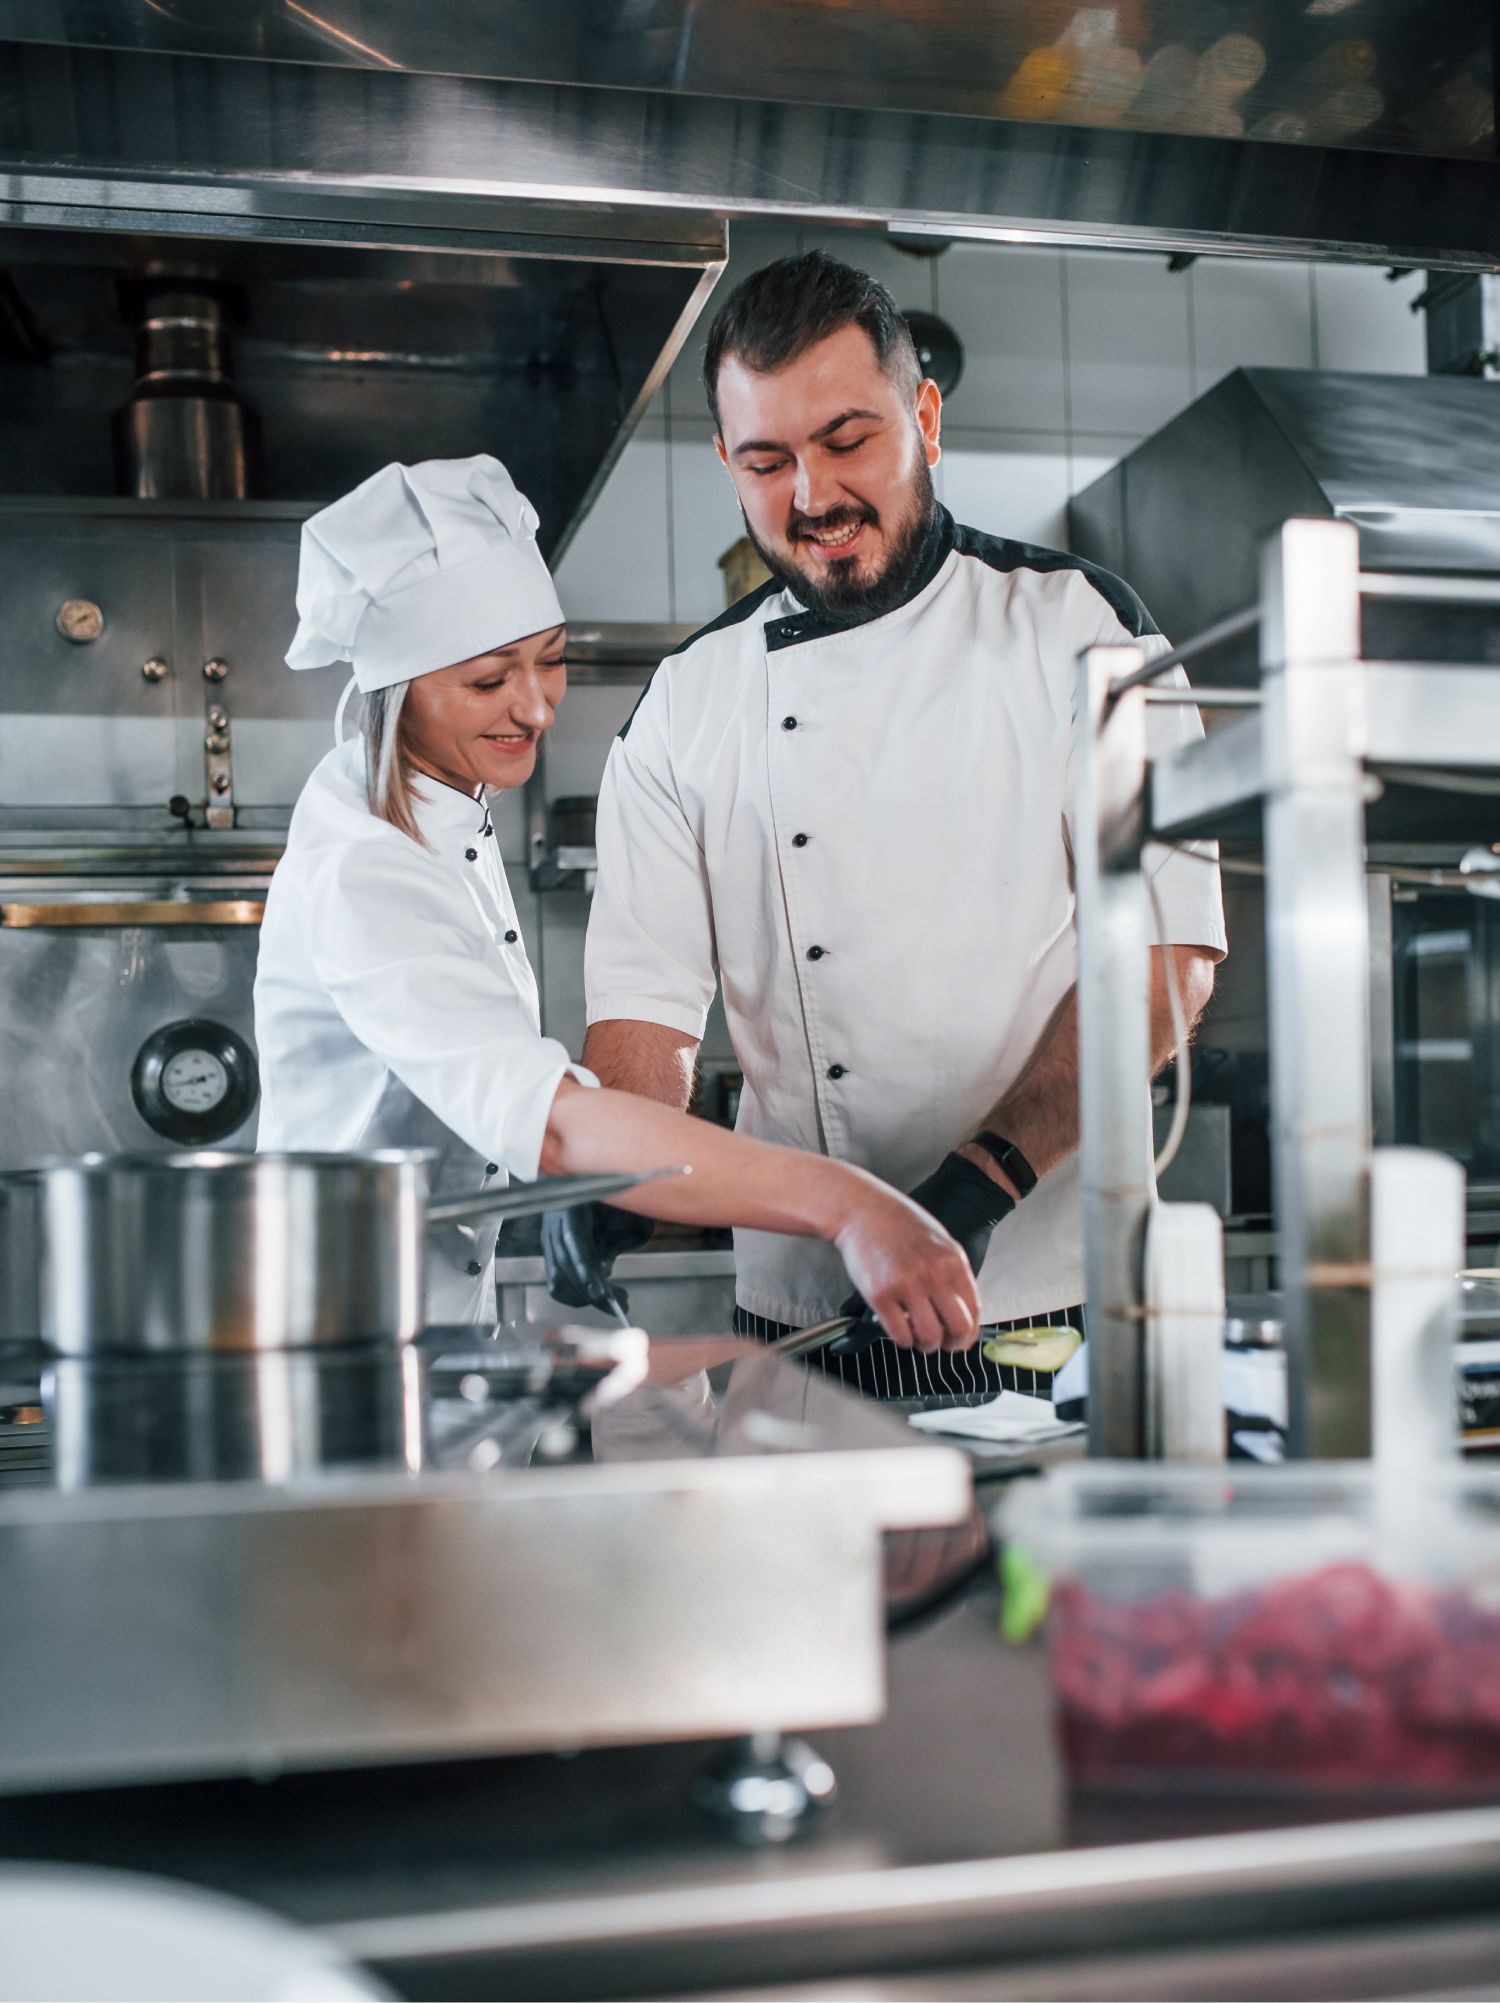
1012	1419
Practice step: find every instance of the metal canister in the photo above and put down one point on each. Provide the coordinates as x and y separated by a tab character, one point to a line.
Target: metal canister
184	434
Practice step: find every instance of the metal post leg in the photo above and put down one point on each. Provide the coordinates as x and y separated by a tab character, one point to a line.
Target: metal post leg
765	1789
1114	973
1417	1209
1382	1010
1318	963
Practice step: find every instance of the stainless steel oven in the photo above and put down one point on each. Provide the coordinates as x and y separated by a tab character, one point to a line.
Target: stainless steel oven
125	1019
1445	965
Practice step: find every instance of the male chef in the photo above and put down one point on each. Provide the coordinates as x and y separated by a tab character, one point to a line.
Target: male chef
847	802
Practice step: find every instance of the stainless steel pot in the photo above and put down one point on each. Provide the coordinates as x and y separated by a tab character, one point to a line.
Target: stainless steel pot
232	1252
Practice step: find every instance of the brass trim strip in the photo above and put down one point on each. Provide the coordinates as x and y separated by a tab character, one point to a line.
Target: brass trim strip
139	911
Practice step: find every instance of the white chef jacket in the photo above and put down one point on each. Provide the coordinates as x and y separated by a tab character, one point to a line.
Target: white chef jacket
863	834
395	1005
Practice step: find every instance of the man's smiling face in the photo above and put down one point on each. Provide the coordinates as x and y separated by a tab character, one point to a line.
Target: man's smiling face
830	458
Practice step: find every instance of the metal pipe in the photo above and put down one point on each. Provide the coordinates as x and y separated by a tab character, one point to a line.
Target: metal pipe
1430	590
1223	630
1205	698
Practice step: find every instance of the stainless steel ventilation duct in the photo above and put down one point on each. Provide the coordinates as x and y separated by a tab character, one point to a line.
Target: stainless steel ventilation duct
184	434
1412	461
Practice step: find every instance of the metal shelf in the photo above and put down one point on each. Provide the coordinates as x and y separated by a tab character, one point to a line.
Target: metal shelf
1196	788
1418	717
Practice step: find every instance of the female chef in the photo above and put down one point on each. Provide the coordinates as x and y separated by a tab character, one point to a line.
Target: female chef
394	1003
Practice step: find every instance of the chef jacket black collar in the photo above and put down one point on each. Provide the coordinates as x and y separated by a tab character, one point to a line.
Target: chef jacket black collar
796	627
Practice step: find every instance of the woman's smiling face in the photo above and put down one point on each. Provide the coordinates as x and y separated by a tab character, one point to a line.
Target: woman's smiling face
478	723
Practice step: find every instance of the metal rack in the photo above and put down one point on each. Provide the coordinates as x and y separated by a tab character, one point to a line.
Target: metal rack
1306	768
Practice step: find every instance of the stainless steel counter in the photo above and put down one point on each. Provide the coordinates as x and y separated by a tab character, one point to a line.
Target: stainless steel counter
557	1555
671	1293
952	1864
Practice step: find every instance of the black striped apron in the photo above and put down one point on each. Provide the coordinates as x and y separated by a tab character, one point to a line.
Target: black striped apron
886	1370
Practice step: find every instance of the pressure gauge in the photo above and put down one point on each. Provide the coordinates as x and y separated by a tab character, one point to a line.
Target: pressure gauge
80	620
194	1081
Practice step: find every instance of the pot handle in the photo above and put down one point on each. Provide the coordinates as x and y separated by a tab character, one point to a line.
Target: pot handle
553	1192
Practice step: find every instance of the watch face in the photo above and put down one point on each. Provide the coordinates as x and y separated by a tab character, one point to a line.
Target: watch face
194	1081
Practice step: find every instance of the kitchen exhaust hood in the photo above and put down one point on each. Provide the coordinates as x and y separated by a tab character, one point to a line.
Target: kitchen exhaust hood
1358	73
1364	133
1412	461
541	345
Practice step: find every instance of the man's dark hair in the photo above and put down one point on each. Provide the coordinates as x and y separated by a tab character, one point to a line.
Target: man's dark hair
783	309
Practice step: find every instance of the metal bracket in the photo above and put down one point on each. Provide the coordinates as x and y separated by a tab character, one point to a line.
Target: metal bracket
218	771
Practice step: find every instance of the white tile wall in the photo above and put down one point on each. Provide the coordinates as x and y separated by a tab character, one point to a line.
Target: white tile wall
616	565
1249	313
1364	320
907	275
1071	359
706	520
1008	311
1009	483
1129	353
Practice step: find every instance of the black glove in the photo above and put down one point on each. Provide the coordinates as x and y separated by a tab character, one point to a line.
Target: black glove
968	1204
580	1247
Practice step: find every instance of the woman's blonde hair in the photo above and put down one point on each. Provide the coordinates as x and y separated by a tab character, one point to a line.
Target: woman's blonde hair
388	770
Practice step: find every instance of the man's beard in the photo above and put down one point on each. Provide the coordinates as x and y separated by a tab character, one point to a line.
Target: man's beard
840	593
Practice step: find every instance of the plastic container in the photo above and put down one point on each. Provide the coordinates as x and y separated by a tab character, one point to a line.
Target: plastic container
1479	1365
1298	1628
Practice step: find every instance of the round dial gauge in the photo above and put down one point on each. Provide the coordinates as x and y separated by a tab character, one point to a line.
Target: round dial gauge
194	1081
79	620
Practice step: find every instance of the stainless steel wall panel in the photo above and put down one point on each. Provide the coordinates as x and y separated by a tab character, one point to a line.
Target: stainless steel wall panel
129	577
81	726
93	763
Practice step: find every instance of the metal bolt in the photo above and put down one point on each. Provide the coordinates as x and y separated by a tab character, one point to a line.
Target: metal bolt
215	670
154	670
218	716
221	782
217	741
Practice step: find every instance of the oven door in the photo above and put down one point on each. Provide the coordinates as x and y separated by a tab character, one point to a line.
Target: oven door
1445	949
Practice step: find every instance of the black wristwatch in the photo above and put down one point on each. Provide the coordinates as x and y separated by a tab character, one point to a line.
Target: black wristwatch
1009	1158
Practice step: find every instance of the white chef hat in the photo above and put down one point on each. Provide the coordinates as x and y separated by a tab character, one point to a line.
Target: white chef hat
419	567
